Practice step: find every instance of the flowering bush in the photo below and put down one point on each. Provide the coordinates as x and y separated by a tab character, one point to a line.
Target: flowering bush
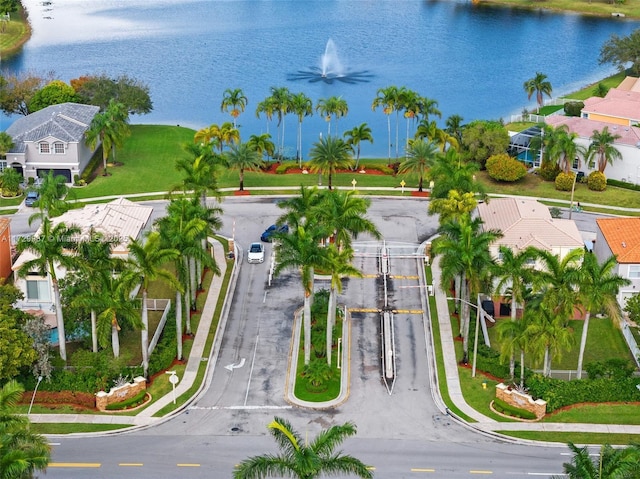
596	181
564	181
503	167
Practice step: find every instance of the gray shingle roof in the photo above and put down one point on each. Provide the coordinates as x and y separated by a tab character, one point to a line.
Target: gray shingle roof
66	122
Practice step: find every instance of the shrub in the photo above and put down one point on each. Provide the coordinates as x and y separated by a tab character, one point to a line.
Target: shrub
129	403
489	362
505	168
596	181
60	397
548	171
509	410
573	108
623	184
387	170
286	166
555	212
615	368
564	181
318	372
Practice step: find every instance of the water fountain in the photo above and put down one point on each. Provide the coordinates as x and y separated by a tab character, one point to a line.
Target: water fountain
330	69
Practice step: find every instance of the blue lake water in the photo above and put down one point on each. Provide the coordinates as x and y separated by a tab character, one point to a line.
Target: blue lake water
472	60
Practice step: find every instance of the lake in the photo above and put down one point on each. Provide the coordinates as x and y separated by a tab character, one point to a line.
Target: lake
472	60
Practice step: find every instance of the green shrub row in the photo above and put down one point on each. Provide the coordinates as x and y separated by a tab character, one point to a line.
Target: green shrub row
387	170
489	362
166	350
60	397
282	168
509	410
132	401
623	184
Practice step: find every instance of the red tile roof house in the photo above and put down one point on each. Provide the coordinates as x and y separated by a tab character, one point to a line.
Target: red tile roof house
51	139
524	223
619	110
621	237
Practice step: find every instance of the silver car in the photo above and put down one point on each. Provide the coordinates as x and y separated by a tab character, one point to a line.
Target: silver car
256	253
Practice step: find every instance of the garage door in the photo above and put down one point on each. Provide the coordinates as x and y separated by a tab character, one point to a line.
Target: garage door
66	173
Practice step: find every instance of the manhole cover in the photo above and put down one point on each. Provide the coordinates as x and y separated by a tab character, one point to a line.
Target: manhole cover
235	429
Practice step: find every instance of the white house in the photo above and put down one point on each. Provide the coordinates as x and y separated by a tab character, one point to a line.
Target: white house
120	219
51	139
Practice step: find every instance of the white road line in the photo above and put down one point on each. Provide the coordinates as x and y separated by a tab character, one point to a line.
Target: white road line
264	299
241	408
253	361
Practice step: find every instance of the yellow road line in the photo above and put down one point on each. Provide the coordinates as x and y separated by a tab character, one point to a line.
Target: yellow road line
131	464
420	469
75	464
408	311
404	277
480	472
370	275
363	310
188	465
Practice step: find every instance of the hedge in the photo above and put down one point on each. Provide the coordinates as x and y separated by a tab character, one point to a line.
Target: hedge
501	406
133	401
282	168
387	170
623	184
60	397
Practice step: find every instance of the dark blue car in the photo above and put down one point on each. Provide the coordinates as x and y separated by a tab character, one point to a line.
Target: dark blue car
271	230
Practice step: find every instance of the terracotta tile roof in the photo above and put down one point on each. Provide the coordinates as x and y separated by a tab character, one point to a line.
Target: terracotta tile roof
585	127
623	237
630	84
526	223
617	103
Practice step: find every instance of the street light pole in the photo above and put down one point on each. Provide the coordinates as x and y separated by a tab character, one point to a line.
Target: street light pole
35	390
573	189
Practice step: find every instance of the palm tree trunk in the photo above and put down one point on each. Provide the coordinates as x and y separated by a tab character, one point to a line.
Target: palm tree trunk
144	335
94	332
331	313
420	184
306	325
193	282
521	368
512	359
389	135
329	184
583	343
62	338
115	338
546	372
241	179
464	318
179	325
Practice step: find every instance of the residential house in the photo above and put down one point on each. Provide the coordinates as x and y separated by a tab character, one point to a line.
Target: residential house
120	219
619	110
621	237
5	248
51	139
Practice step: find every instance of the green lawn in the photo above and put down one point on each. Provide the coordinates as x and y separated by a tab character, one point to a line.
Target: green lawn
575	437
610	413
629	8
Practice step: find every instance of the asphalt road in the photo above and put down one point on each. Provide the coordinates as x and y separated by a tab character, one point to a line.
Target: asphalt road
402	434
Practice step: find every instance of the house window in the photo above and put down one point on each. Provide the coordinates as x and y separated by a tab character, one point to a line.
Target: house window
58	148
576	163
634	271
44	148
38	290
3	166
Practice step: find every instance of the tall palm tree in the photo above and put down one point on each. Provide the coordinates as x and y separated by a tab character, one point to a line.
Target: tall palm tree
301	106
234	102
242	157
281	103
301	208
564	149
118	116
343	214
303	460
421	156
328	155
145	265
267	106
228	135
599	287
611	463
300	249
200	170
464	247
51	249
601	150
338	265
454	127
387	98
6	143
357	135
53	192
514	336
262	144
512	272
449	172
538	85
548	335
22	453
206	136
334	106
108	128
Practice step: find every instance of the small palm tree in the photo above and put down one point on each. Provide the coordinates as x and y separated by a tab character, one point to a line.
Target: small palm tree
540	86
357	135
234	101
301	460
301	106
53	192
328	155
334	106
262	144
601	150
388	99
611	463
242	157
22	453
421	156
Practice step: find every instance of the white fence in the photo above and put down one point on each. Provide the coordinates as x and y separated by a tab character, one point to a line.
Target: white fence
532	117
631	342
158	305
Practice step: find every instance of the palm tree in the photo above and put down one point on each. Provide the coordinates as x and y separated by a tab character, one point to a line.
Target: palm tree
328	155
564	149
540	86
301	460
6	143
357	135
144	265
387	98
242	157
449	172
206	136
599	286
548	335
53	191
343	214
22	453
611	463
301	106
411	103
118	116
268	107
262	144
51	249
227	135
514	336
464	248
338	265
280	102
330	107
454	127
300	249
233	101
108	128
421	156
200	171
454	206
300	209
512	272
601	149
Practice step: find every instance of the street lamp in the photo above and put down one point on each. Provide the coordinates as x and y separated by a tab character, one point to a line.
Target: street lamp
479	311
573	189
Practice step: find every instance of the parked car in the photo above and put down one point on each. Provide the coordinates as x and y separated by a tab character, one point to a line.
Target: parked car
256	253
32	197
271	230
